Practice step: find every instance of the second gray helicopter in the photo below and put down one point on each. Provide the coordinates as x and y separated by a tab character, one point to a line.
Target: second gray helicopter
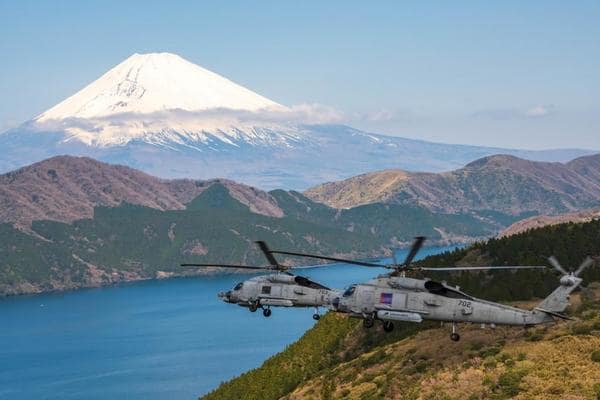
395	297
279	289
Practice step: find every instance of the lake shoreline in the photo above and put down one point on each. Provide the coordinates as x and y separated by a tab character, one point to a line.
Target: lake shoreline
102	278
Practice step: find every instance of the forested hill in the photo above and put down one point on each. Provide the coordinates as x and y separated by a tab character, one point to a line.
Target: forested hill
338	359
131	242
71	222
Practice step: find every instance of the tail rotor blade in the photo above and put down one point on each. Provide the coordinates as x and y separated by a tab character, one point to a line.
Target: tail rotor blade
586	263
554	262
414	250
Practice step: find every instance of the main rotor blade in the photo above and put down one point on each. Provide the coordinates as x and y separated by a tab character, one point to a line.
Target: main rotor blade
486	268
416	246
268	253
554	262
586	263
225	266
343	260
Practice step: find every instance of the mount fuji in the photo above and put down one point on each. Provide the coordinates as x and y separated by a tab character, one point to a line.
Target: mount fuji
169	117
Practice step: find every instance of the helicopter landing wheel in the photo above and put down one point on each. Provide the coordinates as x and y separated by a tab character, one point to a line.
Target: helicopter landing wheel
368	322
455	337
267	312
388	326
316	315
253	307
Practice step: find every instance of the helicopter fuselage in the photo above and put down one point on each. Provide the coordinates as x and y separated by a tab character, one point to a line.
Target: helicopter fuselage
414	300
279	290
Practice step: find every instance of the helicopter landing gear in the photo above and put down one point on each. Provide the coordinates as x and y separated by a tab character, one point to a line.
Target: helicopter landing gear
455	337
316	316
388	326
267	312
253	307
368	322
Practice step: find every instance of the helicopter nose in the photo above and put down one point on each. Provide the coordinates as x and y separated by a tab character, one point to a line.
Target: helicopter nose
336	303
225	296
339	304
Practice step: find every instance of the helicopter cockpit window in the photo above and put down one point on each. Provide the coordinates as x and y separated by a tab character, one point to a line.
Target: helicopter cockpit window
238	286
266	290
350	291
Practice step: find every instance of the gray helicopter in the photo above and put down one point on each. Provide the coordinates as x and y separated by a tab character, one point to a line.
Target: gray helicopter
280	289
395	297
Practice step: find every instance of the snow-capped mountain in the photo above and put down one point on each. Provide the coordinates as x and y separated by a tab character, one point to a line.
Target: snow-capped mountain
163	114
147	83
157	98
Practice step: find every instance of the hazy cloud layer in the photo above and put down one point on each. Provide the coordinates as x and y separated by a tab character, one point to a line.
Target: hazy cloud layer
299	114
538	111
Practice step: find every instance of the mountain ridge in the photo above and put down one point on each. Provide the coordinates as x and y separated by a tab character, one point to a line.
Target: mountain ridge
499	182
67	188
71	222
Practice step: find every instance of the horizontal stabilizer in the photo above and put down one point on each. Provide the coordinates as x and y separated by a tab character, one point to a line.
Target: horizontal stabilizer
555	314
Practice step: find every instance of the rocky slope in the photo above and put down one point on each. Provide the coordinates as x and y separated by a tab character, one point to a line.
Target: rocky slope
507	363
540	221
501	183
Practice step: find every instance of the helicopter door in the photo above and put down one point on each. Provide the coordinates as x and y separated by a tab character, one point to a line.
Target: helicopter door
270	291
276	291
366	299
399	301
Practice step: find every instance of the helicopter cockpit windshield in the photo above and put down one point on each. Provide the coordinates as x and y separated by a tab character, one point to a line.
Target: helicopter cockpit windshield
350	291
238	286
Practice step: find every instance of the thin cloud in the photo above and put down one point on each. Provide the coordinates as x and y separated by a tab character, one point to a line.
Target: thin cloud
538	111
382	115
302	113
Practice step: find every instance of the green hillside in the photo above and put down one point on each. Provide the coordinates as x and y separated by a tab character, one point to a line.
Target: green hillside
337	358
135	242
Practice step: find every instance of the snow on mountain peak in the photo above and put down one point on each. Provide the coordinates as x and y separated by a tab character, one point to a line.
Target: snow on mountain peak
154	82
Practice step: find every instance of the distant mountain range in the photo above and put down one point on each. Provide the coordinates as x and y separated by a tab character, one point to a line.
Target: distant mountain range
502	183
70	222
166	116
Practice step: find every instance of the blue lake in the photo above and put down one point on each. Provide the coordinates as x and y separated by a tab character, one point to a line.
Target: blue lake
169	339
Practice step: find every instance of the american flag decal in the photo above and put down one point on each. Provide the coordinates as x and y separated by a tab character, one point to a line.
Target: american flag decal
386	298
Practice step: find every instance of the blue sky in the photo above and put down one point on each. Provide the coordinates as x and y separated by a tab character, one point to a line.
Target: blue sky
513	74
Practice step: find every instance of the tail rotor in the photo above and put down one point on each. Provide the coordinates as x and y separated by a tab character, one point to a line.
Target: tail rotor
585	264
